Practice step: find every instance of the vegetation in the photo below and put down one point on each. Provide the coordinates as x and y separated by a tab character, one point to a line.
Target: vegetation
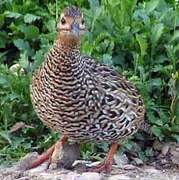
140	38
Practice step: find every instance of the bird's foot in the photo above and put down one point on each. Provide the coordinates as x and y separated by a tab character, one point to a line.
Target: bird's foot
105	167
51	154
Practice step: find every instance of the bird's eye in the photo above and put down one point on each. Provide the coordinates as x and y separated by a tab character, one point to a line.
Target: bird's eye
63	21
82	21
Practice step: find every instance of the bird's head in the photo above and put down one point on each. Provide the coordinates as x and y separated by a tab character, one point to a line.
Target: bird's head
70	26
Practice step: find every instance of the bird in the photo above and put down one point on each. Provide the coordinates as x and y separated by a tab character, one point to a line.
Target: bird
83	100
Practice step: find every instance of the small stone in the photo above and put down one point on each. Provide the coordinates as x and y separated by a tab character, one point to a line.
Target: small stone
157	145
129	167
120	160
42	167
151	170
69	176
80	167
66	157
119	177
26	161
163	161
90	176
81	162
138	161
23	178
10	173
94	163
175	153
165	149
175	160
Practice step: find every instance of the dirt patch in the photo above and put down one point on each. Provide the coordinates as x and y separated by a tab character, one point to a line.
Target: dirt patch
128	172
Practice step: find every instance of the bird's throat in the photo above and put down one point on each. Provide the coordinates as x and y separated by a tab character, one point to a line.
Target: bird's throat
69	41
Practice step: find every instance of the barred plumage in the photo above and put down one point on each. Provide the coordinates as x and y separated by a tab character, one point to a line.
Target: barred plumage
84	100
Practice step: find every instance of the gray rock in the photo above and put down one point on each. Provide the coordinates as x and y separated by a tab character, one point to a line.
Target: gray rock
165	149
120	160
26	161
67	155
138	161
90	176
119	177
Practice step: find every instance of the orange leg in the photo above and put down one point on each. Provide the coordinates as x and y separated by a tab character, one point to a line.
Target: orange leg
106	166
52	151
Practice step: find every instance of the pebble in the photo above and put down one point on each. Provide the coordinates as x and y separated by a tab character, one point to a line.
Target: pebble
129	167
69	176
40	168
119	177
138	161
90	176
25	162
151	170
120	160
165	149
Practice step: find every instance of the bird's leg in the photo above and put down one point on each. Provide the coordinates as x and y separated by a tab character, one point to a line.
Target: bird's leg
57	149
106	166
49	153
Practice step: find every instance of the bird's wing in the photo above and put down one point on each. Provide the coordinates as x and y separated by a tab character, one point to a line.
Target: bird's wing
110	78
120	95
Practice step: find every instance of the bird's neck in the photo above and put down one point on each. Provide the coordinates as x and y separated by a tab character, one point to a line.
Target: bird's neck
64	60
69	42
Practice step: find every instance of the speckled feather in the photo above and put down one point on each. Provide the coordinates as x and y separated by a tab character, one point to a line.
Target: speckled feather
84	100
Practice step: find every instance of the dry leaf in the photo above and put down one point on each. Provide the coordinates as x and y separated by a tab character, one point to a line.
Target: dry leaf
19	125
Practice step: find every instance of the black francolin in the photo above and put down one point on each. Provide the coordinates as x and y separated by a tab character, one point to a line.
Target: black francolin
82	100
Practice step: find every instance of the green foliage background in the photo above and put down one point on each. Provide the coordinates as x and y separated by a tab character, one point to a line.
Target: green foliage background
139	37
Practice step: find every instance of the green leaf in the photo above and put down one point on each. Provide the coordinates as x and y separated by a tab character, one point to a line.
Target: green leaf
3	56
29	18
156	131
3	39
157	31
51	25
10	14
4	81
151	5
86	48
156	82
5	136
38	59
142	43
23	61
31	32
21	44
175	36
1	20
93	4
107	59
176	136
24	46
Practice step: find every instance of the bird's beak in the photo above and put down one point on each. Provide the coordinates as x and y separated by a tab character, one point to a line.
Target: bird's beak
75	28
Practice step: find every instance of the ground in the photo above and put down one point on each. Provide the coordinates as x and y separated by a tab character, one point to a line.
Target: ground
163	167
127	173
